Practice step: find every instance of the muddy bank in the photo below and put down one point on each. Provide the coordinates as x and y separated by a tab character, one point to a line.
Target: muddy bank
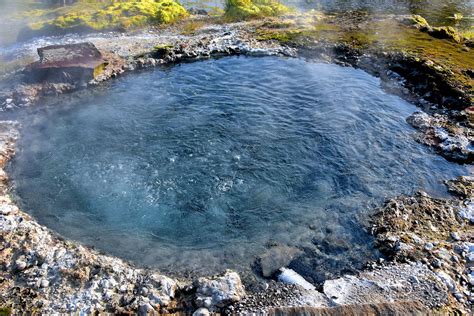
428	242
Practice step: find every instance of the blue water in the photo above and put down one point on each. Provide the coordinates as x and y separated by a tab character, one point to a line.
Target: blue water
201	166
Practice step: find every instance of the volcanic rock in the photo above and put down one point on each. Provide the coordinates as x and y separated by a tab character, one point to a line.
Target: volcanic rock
70	63
220	290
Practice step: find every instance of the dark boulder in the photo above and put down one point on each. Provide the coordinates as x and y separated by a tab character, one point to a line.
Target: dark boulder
72	63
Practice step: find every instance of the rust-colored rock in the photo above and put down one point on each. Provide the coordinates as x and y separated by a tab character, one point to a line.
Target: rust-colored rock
72	63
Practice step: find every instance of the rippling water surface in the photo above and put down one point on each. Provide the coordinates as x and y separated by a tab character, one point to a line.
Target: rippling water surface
201	166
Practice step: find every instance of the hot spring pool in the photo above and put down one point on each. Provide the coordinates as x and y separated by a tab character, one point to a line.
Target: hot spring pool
202	166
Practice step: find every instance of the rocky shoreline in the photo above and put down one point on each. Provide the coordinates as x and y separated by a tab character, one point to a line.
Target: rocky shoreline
429	242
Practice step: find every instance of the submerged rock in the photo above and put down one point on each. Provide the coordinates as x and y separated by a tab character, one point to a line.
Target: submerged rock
277	257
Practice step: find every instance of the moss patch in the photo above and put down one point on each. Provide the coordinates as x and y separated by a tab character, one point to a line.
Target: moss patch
418	21
111	15
441	32
447	32
237	10
446	57
5	311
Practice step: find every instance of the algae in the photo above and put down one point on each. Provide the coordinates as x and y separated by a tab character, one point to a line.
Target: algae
5	311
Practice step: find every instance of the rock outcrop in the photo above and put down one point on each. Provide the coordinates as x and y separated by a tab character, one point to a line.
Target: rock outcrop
71	63
436	232
450	139
219	291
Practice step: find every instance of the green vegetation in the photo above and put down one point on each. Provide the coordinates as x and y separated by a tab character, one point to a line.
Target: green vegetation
418	21
384	35
161	50
109	15
469	34
442	32
237	10
5	311
447	32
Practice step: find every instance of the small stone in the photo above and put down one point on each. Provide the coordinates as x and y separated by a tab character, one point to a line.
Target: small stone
207	302
460	248
429	246
108	294
144	291
20	265
123	288
222	290
392	239
447	280
455	259
6	209
413	279
471	279
436	263
201	312
470	257
455	236
459	296
403	247
44	283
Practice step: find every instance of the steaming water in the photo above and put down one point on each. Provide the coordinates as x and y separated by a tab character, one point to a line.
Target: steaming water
201	166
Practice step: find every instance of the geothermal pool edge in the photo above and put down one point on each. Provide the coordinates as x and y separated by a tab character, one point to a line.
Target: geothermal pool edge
43	272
